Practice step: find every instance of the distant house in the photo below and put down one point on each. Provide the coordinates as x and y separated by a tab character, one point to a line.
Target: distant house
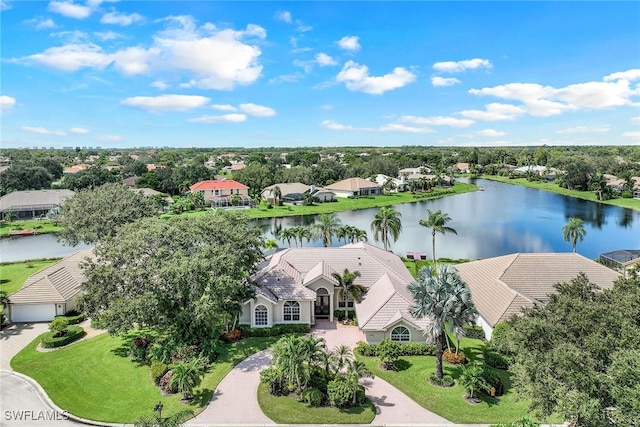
221	192
381	180
463	167
151	192
131	181
51	292
294	192
297	286
33	203
353	187
76	168
540	170
412	171
502	286
623	260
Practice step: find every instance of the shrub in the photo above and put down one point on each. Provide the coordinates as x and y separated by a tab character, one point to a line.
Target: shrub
453	358
473	380
389	352
494	382
232	336
158	369
312	396
73	333
138	348
59	326
339	392
98	323
524	422
495	359
275	330
417	349
500	338
275	379
73	318
446	381
364	349
339	315
474	332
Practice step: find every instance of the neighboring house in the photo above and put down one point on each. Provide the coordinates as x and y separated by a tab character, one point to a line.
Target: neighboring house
502	286
51	292
77	168
353	187
33	203
462	167
219	192
151	192
297	286
323	195
412	171
623	260
131	181
290	191
381	179
540	170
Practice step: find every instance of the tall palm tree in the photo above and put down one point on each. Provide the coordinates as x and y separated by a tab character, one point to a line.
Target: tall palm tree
357	234
285	235
187	376
437	222
296	357
441	296
573	231
386	221
347	286
326	227
343	232
339	357
277	194
355	371
301	232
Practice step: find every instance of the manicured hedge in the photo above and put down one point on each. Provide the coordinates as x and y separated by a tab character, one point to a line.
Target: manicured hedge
495	359
75	319
74	333
475	332
408	349
275	330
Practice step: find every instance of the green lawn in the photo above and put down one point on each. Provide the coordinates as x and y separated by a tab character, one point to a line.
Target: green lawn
555	188
286	410
448	402
94	380
343	204
14	274
39	226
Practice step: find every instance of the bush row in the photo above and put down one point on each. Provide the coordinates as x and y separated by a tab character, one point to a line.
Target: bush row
275	330
340	315
408	349
474	332
73	333
494	359
73	319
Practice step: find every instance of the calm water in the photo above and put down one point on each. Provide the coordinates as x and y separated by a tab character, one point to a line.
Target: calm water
501	220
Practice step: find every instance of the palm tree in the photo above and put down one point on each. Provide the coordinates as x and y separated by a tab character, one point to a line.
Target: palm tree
271	244
339	357
355	371
573	231
296	357
301	232
343	232
441	296
187	376
357	235
386	221
347	286
437	222
326	227
277	194
286	234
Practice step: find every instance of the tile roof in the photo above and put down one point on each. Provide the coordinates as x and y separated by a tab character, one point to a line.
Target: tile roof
218	184
57	283
287	188
25	199
501	286
352	184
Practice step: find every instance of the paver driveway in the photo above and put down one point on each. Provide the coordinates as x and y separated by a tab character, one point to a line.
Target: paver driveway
15	337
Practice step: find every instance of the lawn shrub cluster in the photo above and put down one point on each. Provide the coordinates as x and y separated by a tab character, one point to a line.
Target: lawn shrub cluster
524	422
312	396
73	333
493	380
474	332
158	369
455	359
73	318
408	349
495	359
445	381
340	393
231	336
275	330
341	315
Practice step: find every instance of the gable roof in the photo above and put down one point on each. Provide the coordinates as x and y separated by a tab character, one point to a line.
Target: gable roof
217	184
502	286
57	283
18	200
352	184
288	188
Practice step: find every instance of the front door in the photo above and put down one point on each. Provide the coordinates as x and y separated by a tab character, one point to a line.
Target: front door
322	307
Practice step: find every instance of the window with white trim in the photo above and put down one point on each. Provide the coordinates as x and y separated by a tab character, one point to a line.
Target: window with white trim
400	334
260	315
291	311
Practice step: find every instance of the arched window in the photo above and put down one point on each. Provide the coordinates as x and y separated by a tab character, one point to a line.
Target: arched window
400	334
291	311
261	315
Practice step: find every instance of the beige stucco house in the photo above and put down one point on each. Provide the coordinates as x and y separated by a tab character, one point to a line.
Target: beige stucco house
354	187
220	191
502	286
297	286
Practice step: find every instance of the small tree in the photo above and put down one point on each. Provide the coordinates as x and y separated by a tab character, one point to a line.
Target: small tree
472	379
389	352
59	326
187	375
355	371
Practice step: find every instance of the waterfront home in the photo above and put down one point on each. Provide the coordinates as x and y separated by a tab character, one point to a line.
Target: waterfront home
32	204
294	192
504	285
221	192
355	187
297	286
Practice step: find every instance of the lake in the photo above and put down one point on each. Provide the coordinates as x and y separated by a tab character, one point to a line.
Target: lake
501	220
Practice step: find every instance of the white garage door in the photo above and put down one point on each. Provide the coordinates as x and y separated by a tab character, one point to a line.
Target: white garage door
32	313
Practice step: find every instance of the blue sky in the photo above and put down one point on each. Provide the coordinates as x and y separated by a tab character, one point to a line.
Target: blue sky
288	74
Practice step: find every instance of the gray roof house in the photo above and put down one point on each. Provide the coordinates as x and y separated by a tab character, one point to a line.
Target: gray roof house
297	286
502	286
353	187
290	191
50	292
33	203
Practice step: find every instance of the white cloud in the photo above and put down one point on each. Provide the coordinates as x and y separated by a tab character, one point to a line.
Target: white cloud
287	78
325	60
491	133
109	138
349	43
41	23
159	84
117	18
78	130
327	107
391	127
257	110
460	66
7	102
69	9
584	129
633	74
4	5
229	118
441	81
107	35
332	125
72	57
397	127
494	112
284	16
43	131
635	119
634	134
134	60
224	107
357	79
437	121
166	102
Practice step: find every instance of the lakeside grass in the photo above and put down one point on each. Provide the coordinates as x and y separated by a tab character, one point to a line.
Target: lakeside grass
555	188
37	225
14	274
94	379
